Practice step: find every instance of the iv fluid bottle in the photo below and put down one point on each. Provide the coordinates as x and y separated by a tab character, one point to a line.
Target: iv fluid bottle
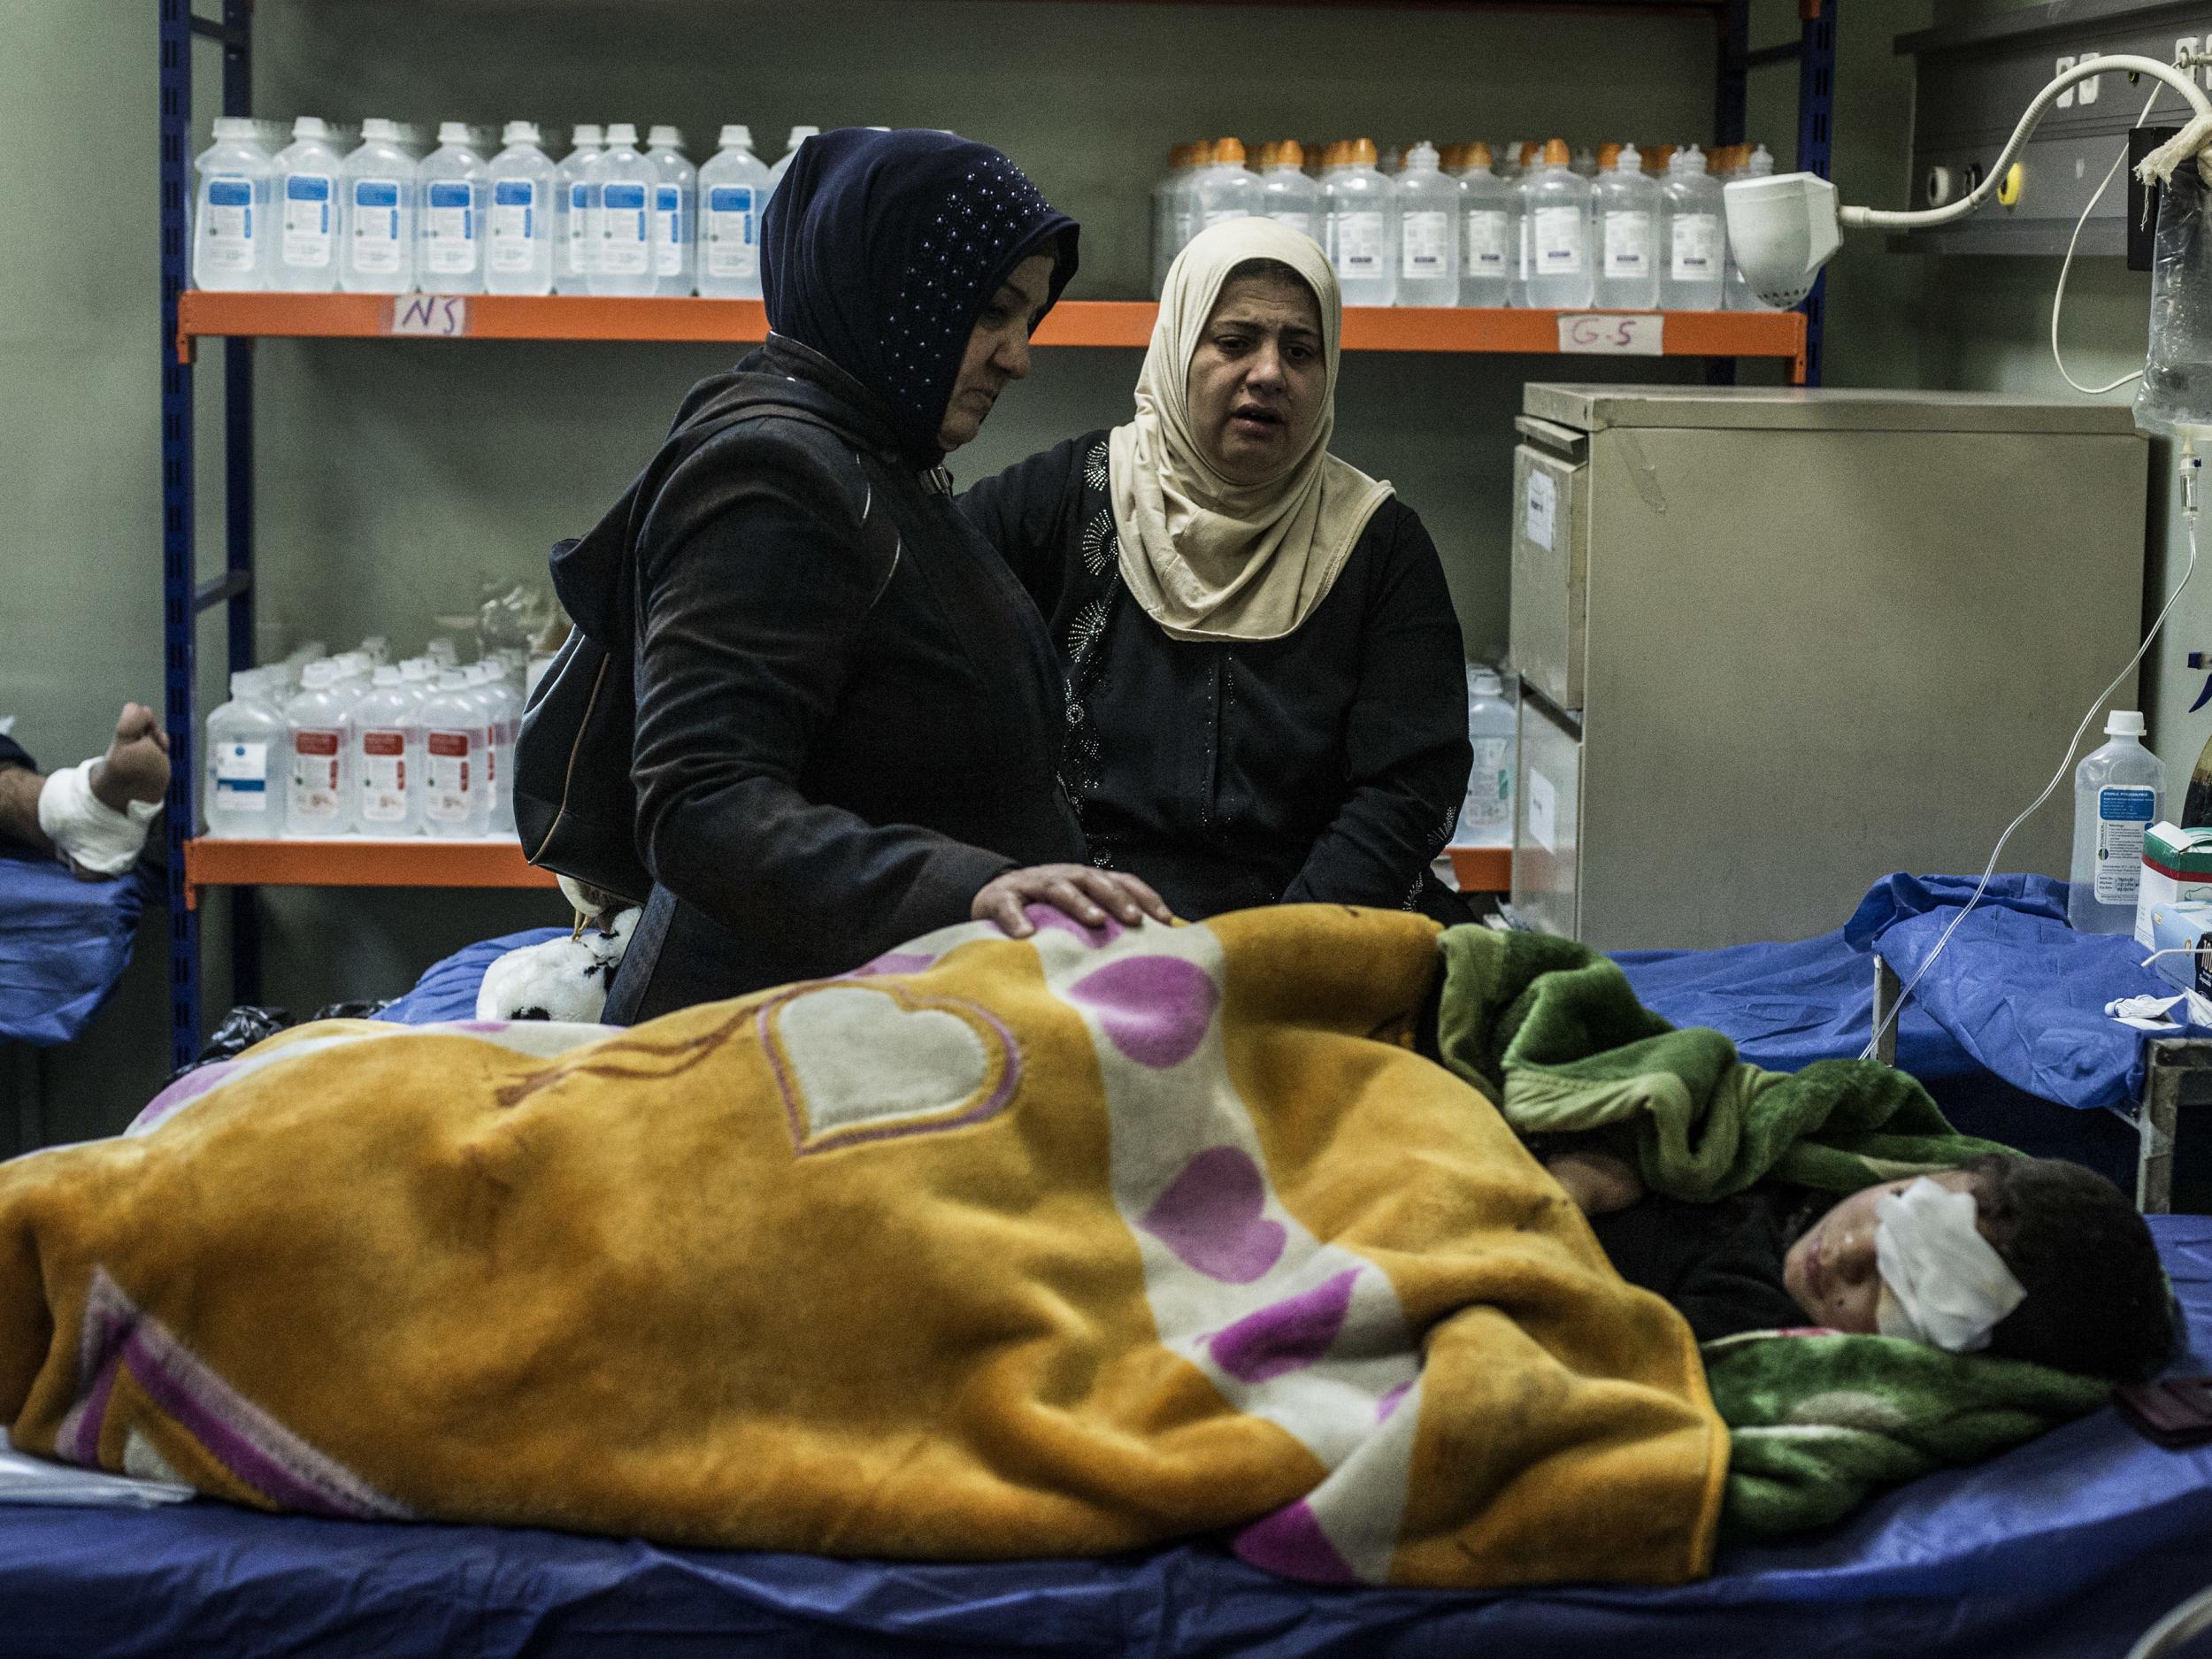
2175	399
797	136
1227	189
1485	819
1287	195
231	232
1487	248
519	240
385	787
1363	209
1428	230
376	217
306	213
1166	245
247	739
449	238
624	194
733	189
1690	206
454	738
1557	204
1627	231
575	237
319	801
2117	793
675	214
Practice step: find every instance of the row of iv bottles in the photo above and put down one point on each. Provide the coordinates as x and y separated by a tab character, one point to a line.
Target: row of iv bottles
610	218
1433	234
320	746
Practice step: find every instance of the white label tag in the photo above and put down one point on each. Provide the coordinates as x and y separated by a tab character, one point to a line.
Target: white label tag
1359	244
1543	811
730	251
1640	334
1558	242
376	225
307	205
1540	507
1485	241
440	316
1302	223
1627	244
1426	240
1490	786
242	776
228	215
1696	247
450	229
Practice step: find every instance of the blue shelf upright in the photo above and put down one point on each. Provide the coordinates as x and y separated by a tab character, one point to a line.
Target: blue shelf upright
184	596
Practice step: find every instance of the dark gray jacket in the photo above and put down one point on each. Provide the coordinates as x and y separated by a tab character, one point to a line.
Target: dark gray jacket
836	747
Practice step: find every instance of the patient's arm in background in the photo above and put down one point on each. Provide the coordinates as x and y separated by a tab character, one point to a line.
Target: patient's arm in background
1598	1182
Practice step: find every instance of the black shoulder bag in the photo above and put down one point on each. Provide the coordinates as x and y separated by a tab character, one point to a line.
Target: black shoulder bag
575	805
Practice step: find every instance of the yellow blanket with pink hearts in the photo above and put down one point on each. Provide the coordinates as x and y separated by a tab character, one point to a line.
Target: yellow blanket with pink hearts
1054	1247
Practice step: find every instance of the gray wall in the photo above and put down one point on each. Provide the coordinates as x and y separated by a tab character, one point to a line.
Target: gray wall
394	477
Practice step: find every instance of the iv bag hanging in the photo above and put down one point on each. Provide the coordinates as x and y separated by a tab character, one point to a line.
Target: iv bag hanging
2176	396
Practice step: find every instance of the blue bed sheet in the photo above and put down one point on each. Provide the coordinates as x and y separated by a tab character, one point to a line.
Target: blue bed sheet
2017	994
2070	1545
63	945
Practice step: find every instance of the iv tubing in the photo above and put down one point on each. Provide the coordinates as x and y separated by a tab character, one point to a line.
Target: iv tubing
2126	63
2191	467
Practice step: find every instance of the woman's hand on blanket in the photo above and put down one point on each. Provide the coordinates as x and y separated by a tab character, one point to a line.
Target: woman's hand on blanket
1089	896
1597	1181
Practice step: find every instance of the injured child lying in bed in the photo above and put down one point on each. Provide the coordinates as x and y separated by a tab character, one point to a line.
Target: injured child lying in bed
2033	1259
1066	1245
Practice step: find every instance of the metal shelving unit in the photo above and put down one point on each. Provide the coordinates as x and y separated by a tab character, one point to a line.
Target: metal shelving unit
1720	338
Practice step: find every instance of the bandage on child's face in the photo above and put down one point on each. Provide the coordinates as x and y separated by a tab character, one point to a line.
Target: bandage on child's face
1905	1259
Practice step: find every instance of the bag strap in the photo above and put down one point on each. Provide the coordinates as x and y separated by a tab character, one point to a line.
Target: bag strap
878	533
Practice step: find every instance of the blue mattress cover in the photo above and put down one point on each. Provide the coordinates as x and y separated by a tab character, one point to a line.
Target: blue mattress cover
2016	993
63	945
2074	1543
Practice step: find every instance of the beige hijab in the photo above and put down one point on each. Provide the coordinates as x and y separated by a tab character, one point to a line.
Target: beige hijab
1207	558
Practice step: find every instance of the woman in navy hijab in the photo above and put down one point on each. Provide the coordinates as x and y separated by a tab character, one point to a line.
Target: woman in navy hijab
848	714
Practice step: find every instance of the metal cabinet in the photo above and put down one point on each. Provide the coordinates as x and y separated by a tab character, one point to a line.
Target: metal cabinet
1777	643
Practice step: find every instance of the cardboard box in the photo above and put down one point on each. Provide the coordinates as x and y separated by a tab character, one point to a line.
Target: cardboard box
2182	927
2177	870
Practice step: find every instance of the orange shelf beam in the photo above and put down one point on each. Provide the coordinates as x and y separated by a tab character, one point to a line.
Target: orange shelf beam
1126	323
356	862
1483	869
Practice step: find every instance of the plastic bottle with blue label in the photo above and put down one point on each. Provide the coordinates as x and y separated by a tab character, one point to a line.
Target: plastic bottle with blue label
305	195
376	213
623	267
798	136
230	225
2118	792
518	237
449	235
733	189
247	740
675	214
575	236
1485	818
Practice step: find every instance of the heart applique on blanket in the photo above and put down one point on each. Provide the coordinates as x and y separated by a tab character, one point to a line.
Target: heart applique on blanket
870	1062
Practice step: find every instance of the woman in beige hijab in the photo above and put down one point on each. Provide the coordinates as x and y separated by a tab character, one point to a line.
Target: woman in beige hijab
1267	690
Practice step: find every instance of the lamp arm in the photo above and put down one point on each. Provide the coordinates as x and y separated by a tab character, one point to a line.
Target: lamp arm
1878	219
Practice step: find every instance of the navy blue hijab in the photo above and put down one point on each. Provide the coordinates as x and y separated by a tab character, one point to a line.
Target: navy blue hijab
882	249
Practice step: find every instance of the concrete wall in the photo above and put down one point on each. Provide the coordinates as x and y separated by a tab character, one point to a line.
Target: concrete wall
395	478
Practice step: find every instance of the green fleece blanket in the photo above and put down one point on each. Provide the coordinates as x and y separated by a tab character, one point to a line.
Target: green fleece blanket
1550	1031
1818	1422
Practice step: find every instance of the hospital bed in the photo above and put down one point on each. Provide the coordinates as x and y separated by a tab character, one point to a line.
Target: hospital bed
2072	1544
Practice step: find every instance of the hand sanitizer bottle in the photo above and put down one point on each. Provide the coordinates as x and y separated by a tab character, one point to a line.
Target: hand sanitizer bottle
519	245
575	236
733	189
307	210
2118	792
376	220
625	192
231	231
675	214
449	244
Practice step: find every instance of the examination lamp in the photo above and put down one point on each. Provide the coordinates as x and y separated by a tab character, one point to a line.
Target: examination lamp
1783	229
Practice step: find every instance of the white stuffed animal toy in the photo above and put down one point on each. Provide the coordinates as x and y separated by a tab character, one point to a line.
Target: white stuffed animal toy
561	979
